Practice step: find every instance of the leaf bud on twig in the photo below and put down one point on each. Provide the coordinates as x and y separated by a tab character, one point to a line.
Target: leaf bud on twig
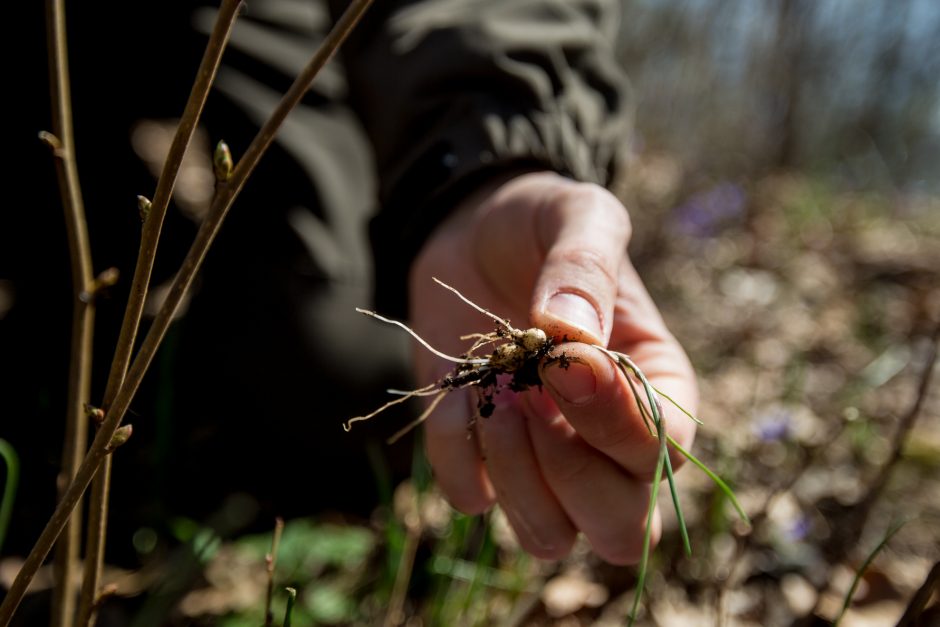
222	162
103	281
107	278
143	207
53	142
120	437
106	593
95	413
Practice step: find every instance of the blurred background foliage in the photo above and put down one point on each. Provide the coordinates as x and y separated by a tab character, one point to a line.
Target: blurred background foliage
737	88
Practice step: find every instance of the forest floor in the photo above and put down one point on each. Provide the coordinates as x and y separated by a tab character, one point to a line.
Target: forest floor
810	313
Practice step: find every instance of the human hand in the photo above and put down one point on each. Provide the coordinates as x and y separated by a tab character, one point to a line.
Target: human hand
544	251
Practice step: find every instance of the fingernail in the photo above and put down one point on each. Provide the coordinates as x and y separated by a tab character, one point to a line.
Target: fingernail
576	384
576	311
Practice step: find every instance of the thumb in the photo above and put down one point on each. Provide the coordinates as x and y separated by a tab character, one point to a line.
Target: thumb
584	231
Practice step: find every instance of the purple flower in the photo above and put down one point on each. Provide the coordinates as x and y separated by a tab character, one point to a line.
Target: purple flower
799	528
774	426
703	213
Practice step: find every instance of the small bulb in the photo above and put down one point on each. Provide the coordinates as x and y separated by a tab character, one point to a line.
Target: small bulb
533	339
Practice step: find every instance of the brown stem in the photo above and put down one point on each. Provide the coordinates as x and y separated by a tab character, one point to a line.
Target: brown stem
83	314
396	605
153	224
851	520
900	435
98	514
296	92
225	196
919	601
94	544
271	559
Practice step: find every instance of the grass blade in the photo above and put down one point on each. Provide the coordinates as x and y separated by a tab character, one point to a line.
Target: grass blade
647	535
644	413
678	406
728	492
683	530
291	599
861	570
656	409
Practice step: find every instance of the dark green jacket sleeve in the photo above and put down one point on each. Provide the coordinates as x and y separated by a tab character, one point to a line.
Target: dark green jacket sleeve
451	92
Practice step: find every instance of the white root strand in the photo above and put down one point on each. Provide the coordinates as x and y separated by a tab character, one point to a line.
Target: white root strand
401	399
417	421
456	360
474	305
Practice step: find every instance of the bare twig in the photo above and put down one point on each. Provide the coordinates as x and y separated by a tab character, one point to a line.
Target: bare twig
88	602
83	313
855	515
900	435
919	601
153	224
396	604
851	520
271	563
225	196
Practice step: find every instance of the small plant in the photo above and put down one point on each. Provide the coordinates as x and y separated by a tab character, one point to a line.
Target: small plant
515	353
516	356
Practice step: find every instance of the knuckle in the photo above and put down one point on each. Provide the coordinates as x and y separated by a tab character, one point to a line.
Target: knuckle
588	262
592	197
612	438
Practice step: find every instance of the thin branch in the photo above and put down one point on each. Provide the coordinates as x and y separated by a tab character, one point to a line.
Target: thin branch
153	224
904	428
83	313
919	601
851	520
271	564
222	202
858	512
412	522
296	92
150	237
96	536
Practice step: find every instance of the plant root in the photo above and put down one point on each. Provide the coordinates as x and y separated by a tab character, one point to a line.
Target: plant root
516	353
